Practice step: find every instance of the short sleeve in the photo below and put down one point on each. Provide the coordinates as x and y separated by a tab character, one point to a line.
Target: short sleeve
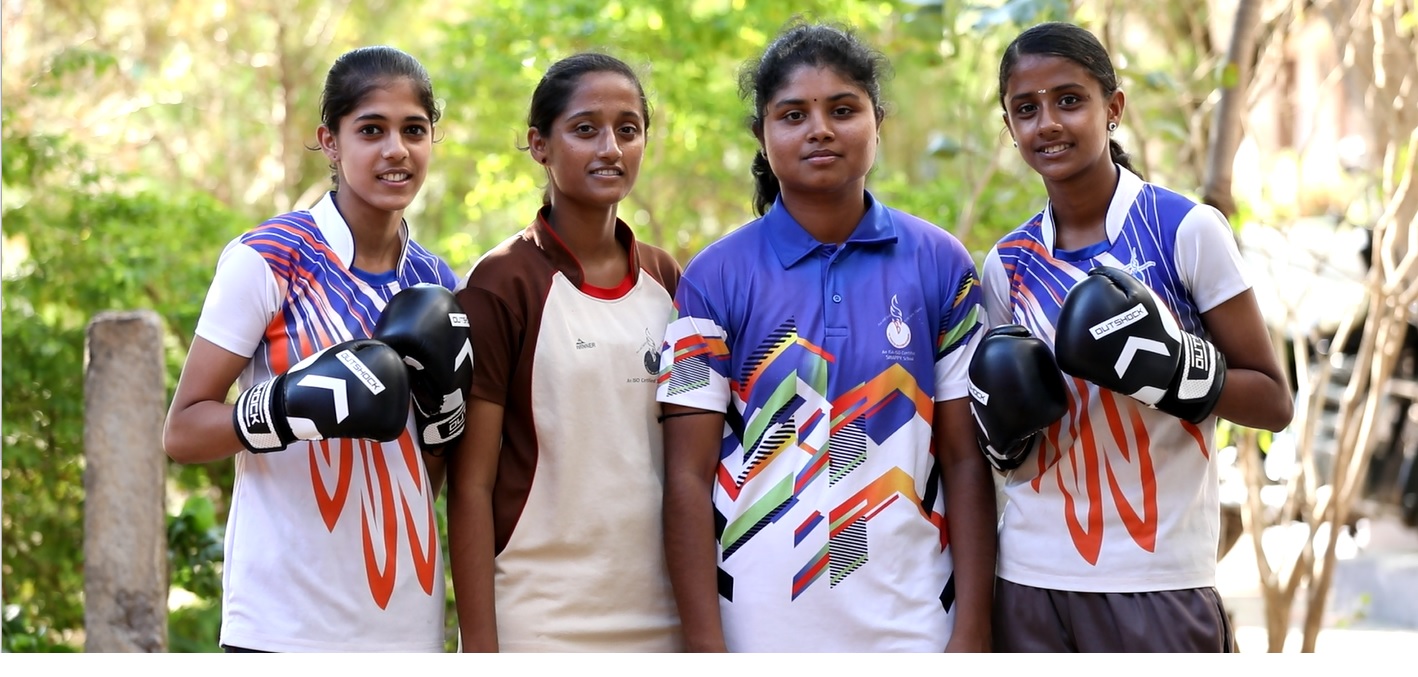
694	359
961	320
994	287
241	303
1207	258
494	330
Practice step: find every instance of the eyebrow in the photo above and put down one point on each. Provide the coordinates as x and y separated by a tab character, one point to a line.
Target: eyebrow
799	102
381	116
590	113
1032	92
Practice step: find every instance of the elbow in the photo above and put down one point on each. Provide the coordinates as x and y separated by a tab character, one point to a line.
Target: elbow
1282	416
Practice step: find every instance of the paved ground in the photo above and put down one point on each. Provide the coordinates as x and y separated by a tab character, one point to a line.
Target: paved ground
1373	606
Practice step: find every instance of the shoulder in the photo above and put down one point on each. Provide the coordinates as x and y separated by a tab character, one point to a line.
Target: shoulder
658	262
284	230
429	267
511	257
923	238
732	251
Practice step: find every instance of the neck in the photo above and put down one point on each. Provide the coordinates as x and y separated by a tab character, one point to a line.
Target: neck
828	217
1080	206
588	232
376	234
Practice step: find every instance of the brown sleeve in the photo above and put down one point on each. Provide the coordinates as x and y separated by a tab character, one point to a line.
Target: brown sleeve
660	265
495	330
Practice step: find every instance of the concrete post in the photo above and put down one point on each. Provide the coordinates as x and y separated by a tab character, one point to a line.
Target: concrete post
125	535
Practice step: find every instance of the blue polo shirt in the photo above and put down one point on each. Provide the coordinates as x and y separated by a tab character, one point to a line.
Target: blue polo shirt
827	361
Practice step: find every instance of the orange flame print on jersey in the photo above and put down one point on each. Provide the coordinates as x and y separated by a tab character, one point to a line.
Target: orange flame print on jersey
1080	473
382	502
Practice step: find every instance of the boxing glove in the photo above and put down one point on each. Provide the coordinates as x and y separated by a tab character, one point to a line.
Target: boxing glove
355	389
1115	331
1016	391
427	327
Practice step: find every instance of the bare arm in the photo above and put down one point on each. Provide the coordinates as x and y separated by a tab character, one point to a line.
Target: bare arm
437	467
199	425
691	457
472	470
970	519
1256	394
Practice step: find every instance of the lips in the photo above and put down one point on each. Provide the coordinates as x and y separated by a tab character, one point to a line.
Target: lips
822	154
1054	148
395	176
608	171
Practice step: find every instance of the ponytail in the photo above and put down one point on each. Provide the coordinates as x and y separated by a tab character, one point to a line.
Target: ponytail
1122	159
765	184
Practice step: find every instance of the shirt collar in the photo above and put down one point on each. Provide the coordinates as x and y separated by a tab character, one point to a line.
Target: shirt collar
1129	185
340	238
793	243
545	238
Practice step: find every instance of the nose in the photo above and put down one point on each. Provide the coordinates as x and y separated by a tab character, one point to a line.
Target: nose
1048	120
609	149
820	129
394	148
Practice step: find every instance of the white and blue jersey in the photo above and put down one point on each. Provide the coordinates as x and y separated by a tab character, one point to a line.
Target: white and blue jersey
331	545
828	361
1115	496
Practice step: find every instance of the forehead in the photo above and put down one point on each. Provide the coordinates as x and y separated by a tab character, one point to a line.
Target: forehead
1044	71
604	92
397	98
808	81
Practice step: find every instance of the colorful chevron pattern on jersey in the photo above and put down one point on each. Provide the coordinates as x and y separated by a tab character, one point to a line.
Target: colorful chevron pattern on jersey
1117	497
828	361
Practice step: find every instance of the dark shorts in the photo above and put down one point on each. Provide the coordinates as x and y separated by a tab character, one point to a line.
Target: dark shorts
1036	620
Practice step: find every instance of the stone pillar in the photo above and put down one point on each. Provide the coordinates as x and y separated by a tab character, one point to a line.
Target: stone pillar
125	534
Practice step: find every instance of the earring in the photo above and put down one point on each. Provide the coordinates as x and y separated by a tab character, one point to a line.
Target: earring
1016	144
1112	127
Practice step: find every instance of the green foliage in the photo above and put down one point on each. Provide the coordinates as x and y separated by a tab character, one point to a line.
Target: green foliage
20	636
194	548
88	244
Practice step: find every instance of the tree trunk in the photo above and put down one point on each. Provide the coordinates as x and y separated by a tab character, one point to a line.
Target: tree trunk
1226	128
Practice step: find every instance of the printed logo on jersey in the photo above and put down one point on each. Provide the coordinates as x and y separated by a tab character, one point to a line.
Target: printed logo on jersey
1136	264
651	351
585	345
897	333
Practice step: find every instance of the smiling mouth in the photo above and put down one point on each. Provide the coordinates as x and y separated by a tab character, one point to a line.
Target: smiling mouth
1054	149
395	177
609	171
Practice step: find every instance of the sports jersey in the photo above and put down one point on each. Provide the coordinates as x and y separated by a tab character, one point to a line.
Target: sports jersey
331	545
827	361
580	560
1115	496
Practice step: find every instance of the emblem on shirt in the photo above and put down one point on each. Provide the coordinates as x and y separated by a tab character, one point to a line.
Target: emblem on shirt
1137	264
897	332
585	345
651	354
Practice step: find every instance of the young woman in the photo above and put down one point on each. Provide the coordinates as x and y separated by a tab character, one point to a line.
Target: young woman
1108	539
823	488
554	494
331	543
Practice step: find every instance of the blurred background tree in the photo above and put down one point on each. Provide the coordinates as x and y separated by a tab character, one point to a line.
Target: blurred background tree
140	137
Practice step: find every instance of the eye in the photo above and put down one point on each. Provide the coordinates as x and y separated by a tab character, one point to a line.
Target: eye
629	130
370	130
585	128
416	130
843	111
1069	99
793	115
1025	109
